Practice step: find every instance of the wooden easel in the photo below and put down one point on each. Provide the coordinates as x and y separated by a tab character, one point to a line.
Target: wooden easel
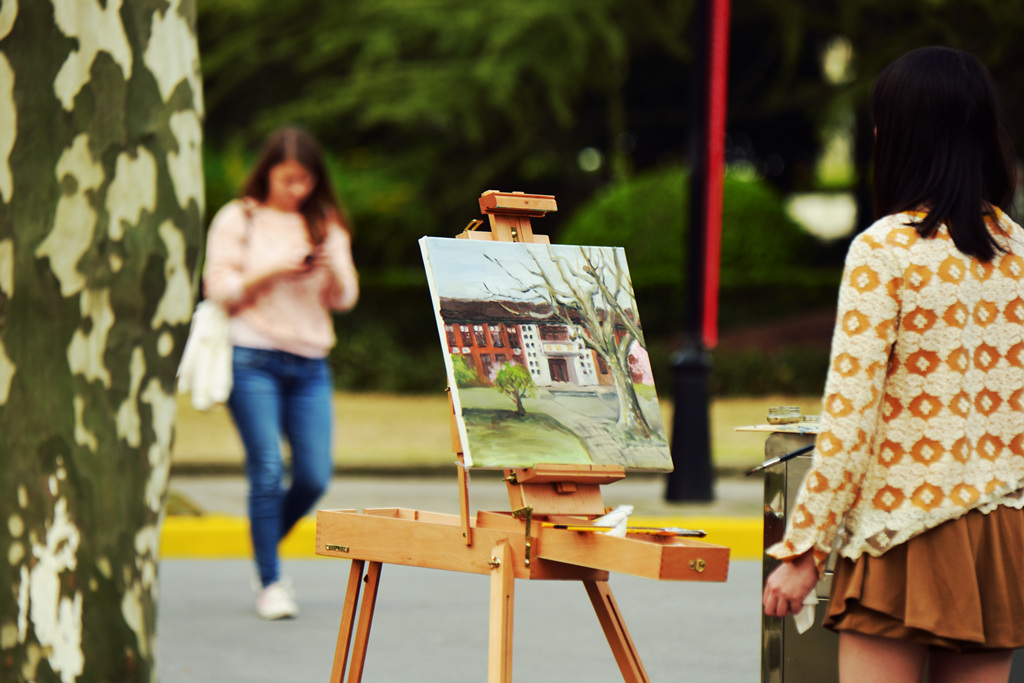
521	544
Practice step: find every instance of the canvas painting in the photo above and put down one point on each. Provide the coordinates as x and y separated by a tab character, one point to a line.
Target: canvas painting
545	355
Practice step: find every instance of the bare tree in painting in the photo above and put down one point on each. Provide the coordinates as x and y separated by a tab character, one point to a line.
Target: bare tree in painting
596	295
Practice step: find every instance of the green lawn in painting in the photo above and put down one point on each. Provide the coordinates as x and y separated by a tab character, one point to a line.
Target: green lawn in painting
569	426
501	438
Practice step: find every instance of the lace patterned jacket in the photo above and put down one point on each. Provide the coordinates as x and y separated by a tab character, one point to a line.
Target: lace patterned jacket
922	416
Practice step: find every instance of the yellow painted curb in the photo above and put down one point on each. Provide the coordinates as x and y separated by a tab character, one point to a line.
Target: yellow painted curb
744	536
224	537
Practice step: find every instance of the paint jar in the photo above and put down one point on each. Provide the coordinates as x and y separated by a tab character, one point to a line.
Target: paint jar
783	415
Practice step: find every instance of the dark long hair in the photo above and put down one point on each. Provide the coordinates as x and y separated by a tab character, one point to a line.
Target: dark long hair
322	204
940	144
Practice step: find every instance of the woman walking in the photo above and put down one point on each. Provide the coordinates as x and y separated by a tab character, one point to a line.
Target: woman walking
279	260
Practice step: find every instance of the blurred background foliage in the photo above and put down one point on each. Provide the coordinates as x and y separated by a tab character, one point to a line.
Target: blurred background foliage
422	105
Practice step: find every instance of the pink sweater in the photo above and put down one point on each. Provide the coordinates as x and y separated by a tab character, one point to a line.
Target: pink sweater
254	268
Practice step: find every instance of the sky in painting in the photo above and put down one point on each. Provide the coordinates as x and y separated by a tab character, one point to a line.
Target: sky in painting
460	270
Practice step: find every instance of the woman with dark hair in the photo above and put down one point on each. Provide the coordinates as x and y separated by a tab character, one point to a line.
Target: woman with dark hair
279	260
919	463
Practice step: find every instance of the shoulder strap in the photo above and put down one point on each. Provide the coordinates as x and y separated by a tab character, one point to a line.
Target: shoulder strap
249	205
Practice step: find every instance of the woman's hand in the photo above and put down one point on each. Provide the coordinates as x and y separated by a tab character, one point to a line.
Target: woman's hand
314	258
789	584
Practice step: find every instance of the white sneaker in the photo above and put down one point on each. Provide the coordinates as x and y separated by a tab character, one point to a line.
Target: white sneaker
276	602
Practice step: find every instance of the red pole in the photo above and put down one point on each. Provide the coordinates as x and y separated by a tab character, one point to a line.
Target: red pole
693	473
717	75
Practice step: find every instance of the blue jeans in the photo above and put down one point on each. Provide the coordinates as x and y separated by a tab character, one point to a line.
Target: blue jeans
274	395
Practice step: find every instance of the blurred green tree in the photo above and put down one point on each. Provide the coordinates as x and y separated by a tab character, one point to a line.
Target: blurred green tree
881	31
785	98
430	102
434	102
424	104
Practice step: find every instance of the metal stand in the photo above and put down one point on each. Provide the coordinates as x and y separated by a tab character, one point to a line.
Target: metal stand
786	656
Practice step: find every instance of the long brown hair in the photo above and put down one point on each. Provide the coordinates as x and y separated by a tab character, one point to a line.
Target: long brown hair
322	205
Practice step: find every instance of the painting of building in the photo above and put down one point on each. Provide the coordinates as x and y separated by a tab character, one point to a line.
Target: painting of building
487	334
545	355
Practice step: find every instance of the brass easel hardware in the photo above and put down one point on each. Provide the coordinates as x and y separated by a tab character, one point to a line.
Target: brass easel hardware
526	512
494	562
512	479
336	548
472	225
698	565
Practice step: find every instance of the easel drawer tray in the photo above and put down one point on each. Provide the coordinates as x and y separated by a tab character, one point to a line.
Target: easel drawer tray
433	540
678	559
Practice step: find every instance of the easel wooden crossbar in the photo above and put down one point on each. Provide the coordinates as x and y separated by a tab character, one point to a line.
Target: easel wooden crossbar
528	542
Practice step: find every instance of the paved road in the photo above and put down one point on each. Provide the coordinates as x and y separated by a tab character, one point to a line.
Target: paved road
431	626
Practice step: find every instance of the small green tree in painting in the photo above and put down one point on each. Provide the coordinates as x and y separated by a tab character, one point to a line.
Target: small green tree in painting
515	381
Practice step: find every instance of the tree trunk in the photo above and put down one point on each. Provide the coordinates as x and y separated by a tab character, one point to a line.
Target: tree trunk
101	203
631	417
520	409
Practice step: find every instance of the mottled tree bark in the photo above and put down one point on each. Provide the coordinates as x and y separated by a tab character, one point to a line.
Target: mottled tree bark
100	221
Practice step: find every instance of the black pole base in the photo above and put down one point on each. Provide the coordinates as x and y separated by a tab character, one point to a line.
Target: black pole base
691	480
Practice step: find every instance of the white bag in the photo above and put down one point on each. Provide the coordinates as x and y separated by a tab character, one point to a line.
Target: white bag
205	368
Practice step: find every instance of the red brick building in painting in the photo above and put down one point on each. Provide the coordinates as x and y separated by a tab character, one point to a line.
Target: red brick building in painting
488	335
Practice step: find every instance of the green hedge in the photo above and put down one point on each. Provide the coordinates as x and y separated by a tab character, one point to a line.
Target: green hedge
769	270
649	217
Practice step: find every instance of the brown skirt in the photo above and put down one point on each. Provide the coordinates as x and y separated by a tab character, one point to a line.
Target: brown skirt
959	586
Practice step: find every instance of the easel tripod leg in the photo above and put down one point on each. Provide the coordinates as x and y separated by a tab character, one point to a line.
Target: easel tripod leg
615	631
348	620
499	656
365	621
